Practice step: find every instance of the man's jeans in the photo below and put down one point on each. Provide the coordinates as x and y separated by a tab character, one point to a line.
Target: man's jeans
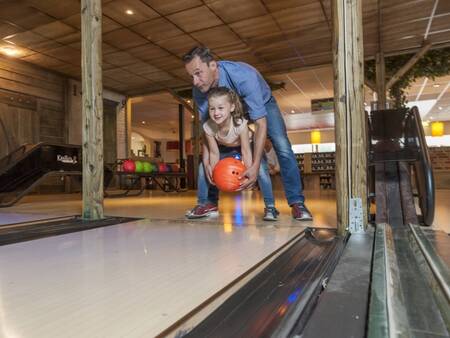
290	173
209	193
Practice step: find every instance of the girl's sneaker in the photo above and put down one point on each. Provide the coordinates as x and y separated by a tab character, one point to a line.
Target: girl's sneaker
200	211
270	214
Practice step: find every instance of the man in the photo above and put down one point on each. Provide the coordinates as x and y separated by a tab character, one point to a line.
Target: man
263	110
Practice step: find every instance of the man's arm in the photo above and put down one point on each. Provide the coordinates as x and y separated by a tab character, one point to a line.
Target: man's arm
213	157
245	147
205	158
250	176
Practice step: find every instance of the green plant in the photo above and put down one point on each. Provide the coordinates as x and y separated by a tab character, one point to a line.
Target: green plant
433	64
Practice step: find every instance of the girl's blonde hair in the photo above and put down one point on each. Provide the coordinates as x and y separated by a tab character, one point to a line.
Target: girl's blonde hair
238	113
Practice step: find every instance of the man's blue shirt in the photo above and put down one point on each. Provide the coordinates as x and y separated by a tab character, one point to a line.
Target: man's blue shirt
246	81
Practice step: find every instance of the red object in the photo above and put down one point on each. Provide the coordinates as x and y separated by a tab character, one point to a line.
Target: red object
226	174
162	168
172	145
175	167
129	166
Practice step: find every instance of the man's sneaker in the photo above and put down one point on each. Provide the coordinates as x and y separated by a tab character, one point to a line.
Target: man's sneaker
300	212
270	214
204	210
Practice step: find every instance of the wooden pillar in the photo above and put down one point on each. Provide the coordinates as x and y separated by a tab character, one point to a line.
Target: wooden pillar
381	81
181	142
181	134
92	108
351	161
128	126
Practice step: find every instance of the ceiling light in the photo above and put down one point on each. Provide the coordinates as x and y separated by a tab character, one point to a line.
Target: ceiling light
129	12
292	111
143	122
10	51
189	101
192	116
436	85
440	108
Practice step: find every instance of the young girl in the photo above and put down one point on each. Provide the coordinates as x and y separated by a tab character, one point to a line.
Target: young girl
228	135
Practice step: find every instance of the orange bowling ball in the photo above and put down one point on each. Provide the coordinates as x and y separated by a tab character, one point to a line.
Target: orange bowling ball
226	174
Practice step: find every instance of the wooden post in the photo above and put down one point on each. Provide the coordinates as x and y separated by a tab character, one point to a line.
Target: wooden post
351	161
381	81
181	142
181	134
92	108
128	126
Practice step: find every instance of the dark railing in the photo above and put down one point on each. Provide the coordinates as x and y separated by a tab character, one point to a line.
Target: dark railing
424	172
397	135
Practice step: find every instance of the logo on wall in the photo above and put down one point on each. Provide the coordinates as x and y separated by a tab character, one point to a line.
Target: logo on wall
66	159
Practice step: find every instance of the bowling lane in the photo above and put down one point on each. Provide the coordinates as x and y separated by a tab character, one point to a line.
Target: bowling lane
8	218
128	280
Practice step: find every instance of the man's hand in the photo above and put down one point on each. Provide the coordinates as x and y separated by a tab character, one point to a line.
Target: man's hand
249	177
209	174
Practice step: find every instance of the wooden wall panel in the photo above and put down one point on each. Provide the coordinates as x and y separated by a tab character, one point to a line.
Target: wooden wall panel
17	127
31	105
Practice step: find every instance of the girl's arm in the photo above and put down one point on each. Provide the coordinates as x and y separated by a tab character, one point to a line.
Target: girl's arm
214	155
245	147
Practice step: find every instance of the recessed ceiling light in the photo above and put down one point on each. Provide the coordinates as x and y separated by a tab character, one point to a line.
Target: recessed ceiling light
10	51
440	108
192	116
436	85
188	101
129	12
143	122
292	111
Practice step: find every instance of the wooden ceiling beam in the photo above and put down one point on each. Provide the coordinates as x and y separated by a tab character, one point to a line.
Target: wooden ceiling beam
324	12
181	100
402	71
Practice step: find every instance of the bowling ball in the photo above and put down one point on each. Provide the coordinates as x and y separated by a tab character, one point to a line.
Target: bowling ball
168	168
226	174
154	168
139	166
147	167
129	166
162	168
